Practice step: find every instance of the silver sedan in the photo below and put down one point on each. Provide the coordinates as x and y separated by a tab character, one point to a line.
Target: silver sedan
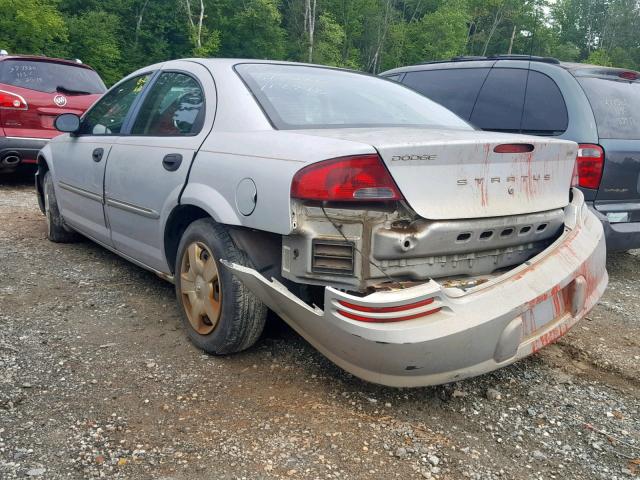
406	246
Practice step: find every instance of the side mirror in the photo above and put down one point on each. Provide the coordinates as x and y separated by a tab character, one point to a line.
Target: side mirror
67	123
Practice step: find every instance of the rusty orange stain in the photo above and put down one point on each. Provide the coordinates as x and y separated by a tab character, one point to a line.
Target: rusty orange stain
550	337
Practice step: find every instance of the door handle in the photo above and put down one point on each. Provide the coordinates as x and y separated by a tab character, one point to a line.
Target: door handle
97	154
172	161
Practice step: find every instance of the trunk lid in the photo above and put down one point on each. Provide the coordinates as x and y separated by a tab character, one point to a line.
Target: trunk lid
448	174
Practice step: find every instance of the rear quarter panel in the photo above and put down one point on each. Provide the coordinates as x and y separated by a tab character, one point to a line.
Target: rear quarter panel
270	159
621	176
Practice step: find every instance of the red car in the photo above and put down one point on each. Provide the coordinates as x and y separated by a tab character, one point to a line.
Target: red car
33	92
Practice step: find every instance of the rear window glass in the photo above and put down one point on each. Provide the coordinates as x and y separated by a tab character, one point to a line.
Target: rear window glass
50	77
500	103
456	89
295	97
616	106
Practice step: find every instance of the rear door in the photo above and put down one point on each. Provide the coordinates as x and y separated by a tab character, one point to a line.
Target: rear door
49	89
615	99
148	166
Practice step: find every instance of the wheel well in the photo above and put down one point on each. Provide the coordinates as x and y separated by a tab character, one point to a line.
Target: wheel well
43	167
180	218
263	248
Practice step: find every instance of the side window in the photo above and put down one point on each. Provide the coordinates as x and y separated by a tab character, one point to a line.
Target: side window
174	106
455	89
395	77
107	116
500	103
545	112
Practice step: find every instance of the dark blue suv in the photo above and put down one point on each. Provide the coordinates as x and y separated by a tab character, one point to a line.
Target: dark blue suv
597	107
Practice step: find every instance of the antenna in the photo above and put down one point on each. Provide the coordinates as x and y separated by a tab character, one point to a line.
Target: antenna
533	35
535	28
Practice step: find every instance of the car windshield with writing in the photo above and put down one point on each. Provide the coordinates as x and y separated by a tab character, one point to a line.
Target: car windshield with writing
51	77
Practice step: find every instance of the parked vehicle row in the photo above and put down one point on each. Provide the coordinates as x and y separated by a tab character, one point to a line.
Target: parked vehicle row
597	107
33	92
404	244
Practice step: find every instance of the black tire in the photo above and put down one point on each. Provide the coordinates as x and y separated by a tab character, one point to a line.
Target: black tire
57	231
242	315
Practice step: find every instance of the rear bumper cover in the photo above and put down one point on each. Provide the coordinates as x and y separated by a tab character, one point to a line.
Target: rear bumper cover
475	331
619	236
26	148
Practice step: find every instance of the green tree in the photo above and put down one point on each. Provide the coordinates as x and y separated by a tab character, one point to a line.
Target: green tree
98	47
32	26
254	31
445	30
118	36
330	39
599	57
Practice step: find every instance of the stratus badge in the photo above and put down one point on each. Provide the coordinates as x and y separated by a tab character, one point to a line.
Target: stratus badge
537	177
60	100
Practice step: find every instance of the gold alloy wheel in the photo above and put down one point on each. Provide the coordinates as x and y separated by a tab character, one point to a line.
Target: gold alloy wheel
200	288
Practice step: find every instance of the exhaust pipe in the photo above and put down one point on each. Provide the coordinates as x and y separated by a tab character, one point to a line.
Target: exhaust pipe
11	160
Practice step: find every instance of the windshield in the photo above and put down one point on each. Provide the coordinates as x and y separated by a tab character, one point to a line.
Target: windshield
616	106
296	96
50	77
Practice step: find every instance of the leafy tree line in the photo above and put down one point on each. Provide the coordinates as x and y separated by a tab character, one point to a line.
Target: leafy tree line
118	36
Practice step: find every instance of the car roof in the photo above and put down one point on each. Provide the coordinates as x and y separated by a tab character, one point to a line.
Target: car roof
589	70
42	58
237	61
576	69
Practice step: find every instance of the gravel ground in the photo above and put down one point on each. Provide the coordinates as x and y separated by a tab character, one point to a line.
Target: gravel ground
98	380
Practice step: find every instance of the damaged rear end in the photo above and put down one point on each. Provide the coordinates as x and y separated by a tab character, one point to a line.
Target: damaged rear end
436	252
431	204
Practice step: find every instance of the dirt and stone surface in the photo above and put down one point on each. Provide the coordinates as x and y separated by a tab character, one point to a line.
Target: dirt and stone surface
97	380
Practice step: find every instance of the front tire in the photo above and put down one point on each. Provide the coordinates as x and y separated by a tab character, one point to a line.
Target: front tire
57	231
220	314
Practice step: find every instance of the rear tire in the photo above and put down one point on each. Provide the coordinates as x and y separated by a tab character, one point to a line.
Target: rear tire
220	314
57	231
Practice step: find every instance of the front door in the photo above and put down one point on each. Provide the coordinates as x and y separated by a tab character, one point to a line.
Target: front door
80	160
148	167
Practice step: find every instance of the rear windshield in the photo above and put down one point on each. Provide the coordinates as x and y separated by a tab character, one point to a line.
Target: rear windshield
616	106
295	97
50	77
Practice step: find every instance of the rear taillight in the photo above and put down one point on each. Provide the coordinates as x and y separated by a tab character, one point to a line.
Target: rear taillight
590	162
358	178
12	101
